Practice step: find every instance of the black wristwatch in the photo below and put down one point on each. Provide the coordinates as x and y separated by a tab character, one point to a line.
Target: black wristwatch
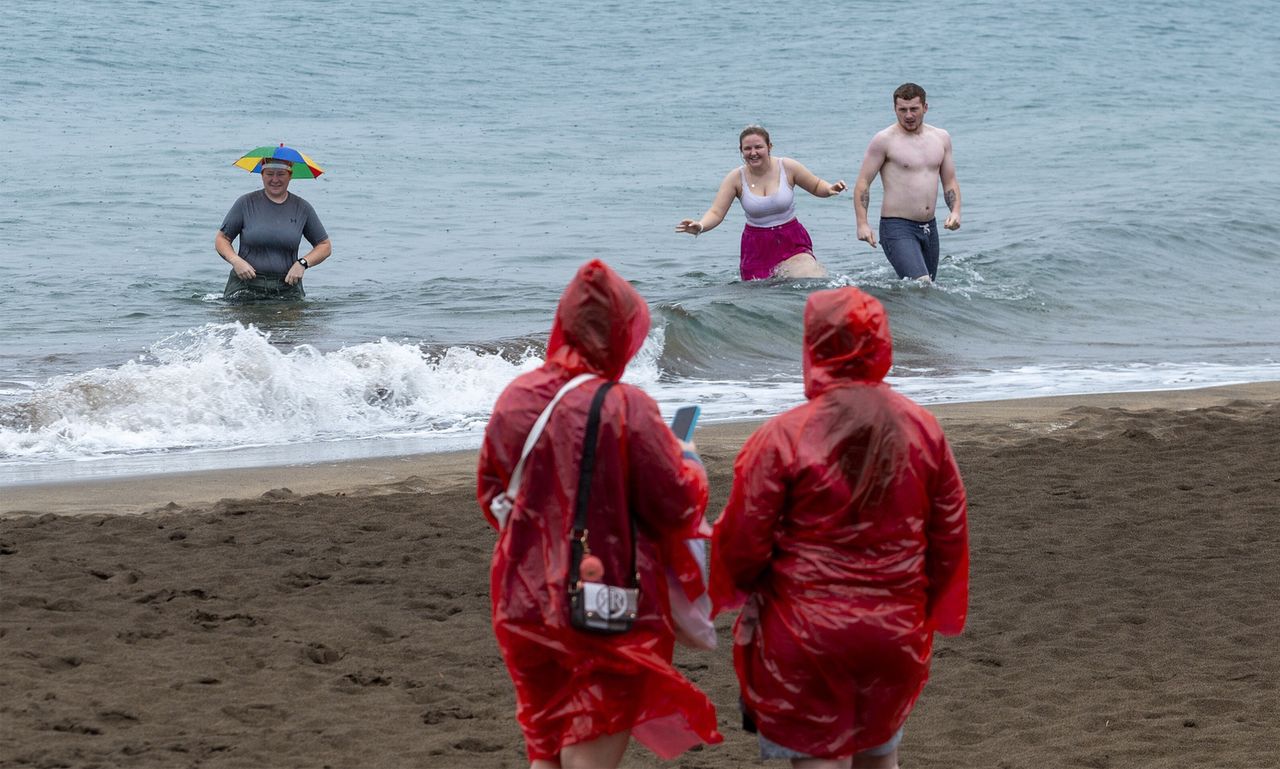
302	260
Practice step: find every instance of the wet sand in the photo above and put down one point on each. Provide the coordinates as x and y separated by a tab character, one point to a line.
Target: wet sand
1126	562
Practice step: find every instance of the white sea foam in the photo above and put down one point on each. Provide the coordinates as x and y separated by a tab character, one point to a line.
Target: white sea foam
223	387
228	385
729	400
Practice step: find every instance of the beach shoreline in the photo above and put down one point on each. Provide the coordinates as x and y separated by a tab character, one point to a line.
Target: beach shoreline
409	472
1123	583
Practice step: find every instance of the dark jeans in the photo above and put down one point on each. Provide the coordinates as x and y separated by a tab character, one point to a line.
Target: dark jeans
911	246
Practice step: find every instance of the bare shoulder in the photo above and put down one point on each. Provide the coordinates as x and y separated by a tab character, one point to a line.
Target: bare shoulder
881	142
939	133
792	165
885	135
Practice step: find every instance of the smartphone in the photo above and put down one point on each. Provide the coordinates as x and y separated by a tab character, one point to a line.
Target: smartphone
684	421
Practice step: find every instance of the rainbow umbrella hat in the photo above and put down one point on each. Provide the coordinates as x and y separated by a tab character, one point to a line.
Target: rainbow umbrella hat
303	166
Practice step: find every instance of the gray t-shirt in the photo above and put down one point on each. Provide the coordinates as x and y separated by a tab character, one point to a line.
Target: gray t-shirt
269	232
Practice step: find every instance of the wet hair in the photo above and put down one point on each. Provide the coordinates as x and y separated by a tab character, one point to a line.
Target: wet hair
909	91
277	163
758	130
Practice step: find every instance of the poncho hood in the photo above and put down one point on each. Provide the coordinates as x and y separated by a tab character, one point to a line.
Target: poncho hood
846	340
600	324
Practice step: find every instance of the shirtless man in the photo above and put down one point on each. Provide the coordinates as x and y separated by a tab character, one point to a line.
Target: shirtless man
910	156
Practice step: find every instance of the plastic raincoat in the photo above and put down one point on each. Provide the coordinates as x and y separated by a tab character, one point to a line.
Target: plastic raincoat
846	536
573	686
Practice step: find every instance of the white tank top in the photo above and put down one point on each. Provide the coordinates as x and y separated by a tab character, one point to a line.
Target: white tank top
769	210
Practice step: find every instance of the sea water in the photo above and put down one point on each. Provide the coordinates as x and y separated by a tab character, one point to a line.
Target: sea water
1117	162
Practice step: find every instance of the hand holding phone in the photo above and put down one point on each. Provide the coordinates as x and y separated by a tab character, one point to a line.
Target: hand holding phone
683	423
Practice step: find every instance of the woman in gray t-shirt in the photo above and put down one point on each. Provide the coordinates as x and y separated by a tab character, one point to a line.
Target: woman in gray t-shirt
270	224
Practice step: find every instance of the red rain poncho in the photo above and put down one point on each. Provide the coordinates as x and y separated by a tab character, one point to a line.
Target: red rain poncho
846	534
573	686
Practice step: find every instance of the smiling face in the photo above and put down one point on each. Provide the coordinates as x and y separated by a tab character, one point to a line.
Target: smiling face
755	150
910	113
276	182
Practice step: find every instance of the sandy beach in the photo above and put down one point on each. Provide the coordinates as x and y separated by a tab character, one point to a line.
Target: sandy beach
1125	572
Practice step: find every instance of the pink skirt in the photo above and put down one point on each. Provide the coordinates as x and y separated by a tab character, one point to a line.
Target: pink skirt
764	248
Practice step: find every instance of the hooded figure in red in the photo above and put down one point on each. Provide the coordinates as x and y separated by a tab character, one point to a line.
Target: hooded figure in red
574	686
846	536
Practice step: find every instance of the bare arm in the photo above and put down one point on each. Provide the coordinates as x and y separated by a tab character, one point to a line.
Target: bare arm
322	250
318	253
872	162
950	185
730	188
809	181
242	269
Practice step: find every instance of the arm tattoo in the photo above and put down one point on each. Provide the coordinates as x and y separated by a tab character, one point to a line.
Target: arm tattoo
866	198
950	197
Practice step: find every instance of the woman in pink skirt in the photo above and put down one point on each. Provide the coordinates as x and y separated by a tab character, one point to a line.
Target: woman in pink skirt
774	243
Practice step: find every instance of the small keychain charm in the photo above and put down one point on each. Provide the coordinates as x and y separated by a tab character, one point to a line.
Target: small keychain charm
591	568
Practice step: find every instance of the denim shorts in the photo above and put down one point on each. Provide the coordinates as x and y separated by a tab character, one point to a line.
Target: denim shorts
770	749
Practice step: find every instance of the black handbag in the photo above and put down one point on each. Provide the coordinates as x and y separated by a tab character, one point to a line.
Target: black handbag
597	607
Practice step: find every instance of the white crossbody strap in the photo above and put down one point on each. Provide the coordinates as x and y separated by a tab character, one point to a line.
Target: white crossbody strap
501	504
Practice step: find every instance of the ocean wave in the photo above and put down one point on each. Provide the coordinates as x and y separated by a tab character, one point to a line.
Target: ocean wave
227	385
231	385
